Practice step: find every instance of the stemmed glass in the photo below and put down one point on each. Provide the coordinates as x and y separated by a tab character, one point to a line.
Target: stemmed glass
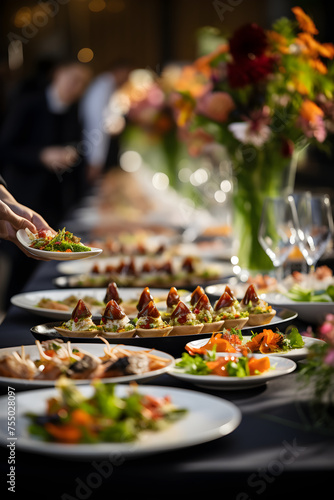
278	230
315	225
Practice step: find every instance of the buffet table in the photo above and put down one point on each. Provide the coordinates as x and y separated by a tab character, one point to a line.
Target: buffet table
277	448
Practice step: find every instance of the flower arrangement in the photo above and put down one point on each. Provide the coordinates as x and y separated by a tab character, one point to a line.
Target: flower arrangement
318	371
264	95
261	87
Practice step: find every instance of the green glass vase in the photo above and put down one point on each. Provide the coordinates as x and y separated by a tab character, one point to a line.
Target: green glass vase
263	173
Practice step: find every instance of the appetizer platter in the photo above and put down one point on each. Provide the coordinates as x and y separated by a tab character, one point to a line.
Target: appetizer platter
172	344
160	324
44	363
210	245
140	271
140	242
63	245
194	418
58	304
177	319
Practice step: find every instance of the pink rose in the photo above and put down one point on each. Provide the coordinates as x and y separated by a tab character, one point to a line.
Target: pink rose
326	328
216	106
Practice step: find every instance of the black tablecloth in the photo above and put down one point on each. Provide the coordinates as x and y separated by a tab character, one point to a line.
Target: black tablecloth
278	449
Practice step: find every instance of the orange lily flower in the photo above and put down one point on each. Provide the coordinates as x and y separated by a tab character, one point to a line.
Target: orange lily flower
313	48
279	41
203	63
192	82
310	111
319	66
304	21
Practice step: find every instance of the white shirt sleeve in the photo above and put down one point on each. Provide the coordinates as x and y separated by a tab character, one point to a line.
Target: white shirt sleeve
92	110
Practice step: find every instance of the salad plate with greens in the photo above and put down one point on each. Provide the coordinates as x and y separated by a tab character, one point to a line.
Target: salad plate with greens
290	344
63	245
311	304
99	420
230	371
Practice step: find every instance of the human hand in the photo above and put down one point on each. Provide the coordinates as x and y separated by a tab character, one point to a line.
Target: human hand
15	216
59	158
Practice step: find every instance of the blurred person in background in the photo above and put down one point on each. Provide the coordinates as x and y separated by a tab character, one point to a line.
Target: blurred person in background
38	142
37	79
39	157
104	148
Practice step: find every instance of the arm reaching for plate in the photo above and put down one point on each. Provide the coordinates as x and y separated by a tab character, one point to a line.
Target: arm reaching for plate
14	216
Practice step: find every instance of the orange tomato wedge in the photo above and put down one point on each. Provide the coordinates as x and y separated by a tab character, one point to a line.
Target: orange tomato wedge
258	365
81	417
64	433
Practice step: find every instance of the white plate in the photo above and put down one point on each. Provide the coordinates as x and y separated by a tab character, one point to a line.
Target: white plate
295	354
25	241
313	312
208	418
97	350
29	300
282	366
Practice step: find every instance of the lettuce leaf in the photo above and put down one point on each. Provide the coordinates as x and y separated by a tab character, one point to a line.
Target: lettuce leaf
238	368
194	365
295	339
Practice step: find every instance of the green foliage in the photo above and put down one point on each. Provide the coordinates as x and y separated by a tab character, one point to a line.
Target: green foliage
319	373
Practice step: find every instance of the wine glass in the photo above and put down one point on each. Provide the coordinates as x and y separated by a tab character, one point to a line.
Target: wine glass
315	225
278	230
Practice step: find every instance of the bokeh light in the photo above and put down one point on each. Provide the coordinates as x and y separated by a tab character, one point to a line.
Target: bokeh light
85	55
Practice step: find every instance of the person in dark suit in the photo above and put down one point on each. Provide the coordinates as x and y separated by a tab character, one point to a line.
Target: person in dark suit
39	155
38	141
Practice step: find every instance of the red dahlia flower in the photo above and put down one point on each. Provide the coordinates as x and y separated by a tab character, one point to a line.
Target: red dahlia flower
249	71
248	41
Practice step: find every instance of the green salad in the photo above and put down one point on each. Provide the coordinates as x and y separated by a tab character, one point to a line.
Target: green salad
63	241
229	365
72	418
301	294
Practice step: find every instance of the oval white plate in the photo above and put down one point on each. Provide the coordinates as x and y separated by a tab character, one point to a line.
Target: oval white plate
282	366
295	354
28	300
208	418
25	241
97	350
314	312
